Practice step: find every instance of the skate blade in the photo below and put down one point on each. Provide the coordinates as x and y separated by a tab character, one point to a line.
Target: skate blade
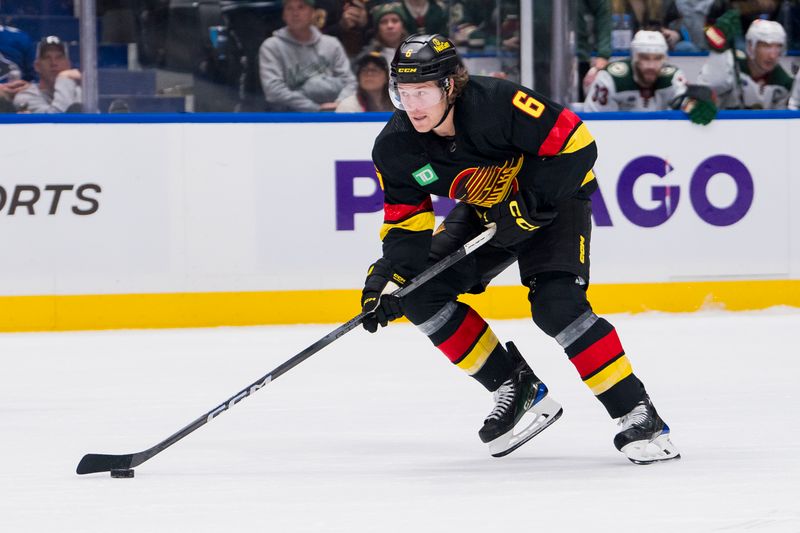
643	452
534	421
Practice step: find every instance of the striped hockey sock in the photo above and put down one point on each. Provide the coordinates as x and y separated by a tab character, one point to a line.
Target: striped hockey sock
468	341
592	345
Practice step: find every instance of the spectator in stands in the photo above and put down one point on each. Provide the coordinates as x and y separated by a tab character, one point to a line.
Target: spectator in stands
647	15
425	16
347	20
647	83
8	91
747	80
390	23
300	68
475	22
17	51
372	73
59	87
594	15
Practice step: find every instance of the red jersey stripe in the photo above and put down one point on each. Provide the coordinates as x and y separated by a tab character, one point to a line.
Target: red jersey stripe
456	346
399	212
565	124
598	354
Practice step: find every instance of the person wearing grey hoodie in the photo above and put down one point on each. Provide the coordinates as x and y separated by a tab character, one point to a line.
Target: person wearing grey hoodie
300	68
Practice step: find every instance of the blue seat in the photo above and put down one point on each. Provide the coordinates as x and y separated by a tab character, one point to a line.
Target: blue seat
66	27
37	7
108	56
145	104
128	82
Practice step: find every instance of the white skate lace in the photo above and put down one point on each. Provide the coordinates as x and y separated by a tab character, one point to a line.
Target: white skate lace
638	415
503	397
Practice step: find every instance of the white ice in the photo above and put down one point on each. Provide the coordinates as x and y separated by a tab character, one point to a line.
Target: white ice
379	433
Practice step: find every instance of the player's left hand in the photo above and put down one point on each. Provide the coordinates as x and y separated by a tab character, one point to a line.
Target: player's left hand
516	219
377	299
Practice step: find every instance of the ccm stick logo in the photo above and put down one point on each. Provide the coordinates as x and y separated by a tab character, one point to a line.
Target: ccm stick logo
32	199
236	399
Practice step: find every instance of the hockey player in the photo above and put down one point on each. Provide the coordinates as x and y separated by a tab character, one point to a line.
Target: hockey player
794	100
518	160
647	82
747	80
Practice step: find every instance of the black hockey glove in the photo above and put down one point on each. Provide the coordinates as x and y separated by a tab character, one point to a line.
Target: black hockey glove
516	219
376	298
698	103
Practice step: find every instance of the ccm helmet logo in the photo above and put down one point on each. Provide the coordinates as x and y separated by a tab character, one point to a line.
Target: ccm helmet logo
407	69
439	46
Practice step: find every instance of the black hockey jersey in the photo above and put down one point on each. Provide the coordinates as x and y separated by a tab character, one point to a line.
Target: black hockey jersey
507	137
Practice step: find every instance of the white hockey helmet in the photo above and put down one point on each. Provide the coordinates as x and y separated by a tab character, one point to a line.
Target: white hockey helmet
764	31
648	42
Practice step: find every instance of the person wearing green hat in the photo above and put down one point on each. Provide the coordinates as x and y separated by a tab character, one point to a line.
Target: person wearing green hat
391	25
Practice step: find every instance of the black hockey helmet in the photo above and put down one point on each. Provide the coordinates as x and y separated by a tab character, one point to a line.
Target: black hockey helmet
421	58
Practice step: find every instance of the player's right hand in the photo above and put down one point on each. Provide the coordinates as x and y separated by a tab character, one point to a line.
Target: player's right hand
698	102
725	29
376	298
516	219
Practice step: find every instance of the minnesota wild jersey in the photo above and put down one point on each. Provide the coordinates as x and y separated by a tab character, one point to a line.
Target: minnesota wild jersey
794	100
769	92
615	89
507	138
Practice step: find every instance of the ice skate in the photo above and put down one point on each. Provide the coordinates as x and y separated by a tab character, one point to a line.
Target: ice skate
522	410
644	437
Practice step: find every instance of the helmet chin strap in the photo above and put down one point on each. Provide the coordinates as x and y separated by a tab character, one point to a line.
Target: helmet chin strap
446	112
445	88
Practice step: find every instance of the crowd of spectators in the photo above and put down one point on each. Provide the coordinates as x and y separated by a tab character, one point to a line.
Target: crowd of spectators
326	55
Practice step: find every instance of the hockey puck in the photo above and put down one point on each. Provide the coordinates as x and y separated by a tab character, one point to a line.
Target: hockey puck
122	472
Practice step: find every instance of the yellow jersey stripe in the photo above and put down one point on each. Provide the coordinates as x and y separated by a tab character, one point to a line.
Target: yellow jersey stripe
580	139
609	376
475	359
419	222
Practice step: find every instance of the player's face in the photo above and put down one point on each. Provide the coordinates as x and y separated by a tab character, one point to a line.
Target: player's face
767	55
648	66
424	103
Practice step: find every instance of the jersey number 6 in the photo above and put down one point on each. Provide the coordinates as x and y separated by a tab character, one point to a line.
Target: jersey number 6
528	104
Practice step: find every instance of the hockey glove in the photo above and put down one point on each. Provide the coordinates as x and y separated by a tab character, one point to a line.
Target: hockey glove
376	298
726	28
516	219
698	103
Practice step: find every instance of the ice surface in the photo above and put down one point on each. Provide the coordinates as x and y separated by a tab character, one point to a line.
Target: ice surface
379	433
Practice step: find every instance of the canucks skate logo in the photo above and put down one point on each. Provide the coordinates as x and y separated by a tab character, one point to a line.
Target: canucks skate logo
425	175
486	186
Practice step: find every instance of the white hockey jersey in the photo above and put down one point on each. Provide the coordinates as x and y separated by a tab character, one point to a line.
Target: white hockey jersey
615	89
794	100
719	72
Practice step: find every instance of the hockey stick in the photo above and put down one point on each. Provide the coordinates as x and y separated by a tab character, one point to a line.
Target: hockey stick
93	462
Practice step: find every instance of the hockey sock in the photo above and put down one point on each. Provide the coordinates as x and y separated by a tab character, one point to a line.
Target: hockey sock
468	341
594	348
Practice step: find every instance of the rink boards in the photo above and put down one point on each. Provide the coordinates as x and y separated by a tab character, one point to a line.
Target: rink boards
127	223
